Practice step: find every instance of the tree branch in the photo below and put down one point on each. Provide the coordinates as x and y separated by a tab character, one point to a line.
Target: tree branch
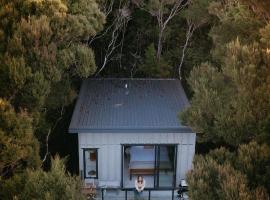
49	133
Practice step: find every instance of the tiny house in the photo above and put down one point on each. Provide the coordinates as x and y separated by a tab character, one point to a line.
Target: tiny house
130	127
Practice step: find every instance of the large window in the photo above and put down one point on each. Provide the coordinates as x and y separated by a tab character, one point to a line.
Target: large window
156	163
90	159
166	160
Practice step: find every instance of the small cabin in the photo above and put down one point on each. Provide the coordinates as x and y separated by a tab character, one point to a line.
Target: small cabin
130	127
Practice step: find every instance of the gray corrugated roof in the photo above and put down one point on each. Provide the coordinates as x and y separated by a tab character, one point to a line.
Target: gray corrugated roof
129	105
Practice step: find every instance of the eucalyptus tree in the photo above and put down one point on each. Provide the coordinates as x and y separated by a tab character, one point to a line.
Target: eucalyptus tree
230	101
120	13
164	11
196	15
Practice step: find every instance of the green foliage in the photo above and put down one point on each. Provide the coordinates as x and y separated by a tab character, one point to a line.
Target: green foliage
197	12
10	188
229	103
209	180
253	160
43	51
154	5
45	47
81	57
265	35
225	175
18	147
222	156
152	67
38	184
261	8
233	20
55	184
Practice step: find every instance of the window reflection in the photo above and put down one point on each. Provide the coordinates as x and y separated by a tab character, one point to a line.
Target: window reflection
90	161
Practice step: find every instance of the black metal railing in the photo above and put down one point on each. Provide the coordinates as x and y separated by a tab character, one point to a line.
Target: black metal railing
149	190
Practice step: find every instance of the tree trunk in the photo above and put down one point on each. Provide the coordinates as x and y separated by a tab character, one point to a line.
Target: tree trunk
159	50
189	33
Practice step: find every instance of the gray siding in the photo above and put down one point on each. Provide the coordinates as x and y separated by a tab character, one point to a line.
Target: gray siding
109	153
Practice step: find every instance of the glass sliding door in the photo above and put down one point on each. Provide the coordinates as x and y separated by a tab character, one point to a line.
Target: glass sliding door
166	161
155	162
138	160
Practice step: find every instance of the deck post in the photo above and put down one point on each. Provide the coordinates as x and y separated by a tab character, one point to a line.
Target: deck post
125	194
172	194
102	193
149	194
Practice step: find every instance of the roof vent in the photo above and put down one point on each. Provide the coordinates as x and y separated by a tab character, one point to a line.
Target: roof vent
126	86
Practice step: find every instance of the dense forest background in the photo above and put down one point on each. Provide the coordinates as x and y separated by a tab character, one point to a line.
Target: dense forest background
219	49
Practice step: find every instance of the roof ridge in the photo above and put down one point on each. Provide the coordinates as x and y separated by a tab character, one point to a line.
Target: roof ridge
165	79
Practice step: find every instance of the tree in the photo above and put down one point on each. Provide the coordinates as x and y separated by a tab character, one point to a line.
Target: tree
55	184
44	46
209	180
38	184
248	167
196	15
152	67
230	103
261	8
253	160
18	147
164	11
116	29
233	20
47	45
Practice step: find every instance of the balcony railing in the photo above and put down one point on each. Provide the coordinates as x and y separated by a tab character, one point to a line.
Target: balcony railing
116	193
128	194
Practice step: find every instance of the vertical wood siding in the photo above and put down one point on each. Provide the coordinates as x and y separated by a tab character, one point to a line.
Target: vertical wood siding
109	151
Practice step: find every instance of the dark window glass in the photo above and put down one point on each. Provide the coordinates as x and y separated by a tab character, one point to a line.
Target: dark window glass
90	163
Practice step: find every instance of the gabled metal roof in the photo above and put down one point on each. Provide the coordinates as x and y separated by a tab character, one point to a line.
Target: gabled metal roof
129	105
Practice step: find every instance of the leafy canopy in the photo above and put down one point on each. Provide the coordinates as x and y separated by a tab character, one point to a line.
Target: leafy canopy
231	91
38	184
222	174
18	147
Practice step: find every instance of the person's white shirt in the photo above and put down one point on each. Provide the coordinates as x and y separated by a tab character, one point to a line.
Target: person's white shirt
139	186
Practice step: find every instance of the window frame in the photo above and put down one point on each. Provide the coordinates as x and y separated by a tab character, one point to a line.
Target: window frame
157	152
84	163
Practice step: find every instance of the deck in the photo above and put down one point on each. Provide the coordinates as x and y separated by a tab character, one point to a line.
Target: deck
120	195
148	194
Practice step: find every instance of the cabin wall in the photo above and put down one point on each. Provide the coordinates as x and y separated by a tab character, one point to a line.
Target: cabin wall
109	153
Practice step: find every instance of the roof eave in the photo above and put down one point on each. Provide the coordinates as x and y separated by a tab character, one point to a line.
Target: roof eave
131	130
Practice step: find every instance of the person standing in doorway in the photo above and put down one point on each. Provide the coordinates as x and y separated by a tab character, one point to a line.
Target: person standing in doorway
139	187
